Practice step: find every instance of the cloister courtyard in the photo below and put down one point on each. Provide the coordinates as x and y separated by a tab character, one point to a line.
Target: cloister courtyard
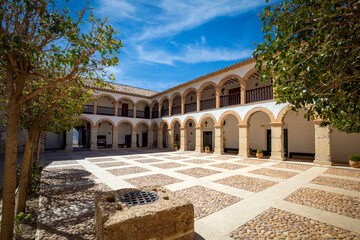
233	197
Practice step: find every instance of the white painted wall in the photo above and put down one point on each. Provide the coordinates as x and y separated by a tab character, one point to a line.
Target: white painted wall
106	129
129	103
231	132
105	102
124	129
343	145
259	123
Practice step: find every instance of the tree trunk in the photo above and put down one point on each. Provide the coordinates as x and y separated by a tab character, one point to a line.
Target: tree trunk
8	208
26	169
37	158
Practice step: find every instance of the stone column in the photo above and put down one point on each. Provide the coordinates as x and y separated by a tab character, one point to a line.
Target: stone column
244	140
134	115
277	141
243	92
69	141
218	94
160	139
93	138
133	139
116	108
151	108
115	144
218	140
171	136
183	146
199	139
322	145
182	105
198	99
95	107
160	110
170	107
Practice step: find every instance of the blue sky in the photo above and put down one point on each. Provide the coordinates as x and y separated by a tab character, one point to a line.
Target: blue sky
169	42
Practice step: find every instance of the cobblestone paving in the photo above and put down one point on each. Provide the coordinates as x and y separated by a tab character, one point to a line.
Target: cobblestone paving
343	172
134	157
299	167
153	180
207	201
331	202
58	176
223	157
111	164
198	172
251	161
278	224
199	161
274	173
127	170
149	160
247	183
56	163
229	166
338	183
168	165
101	160
177	158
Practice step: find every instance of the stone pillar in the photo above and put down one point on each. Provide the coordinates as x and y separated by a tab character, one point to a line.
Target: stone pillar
183	146
93	138
133	139
198	99
199	139
322	145
277	141
218	94
182	105
218	140
171	136
243	92
115	144
160	110
134	116
95	107
244	140
116	108
69	141
170	107
185	139
151	108
160	139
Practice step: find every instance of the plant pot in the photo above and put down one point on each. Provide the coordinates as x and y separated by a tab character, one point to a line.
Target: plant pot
124	146
175	148
259	155
354	164
207	150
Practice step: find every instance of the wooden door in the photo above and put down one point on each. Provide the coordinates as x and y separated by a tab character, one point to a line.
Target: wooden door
124	110
207	139
144	139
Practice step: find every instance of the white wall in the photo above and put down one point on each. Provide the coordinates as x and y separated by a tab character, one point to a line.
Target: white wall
106	129
105	102
124	129
130	104
343	145
190	97
209	128
54	141
259	123
231	132
251	83
191	135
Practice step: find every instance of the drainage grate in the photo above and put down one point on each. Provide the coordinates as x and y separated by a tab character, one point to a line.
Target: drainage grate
139	198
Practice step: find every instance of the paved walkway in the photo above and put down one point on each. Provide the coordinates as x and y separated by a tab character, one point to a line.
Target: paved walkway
234	198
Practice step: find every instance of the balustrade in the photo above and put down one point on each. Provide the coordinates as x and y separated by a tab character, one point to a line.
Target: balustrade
88	109
176	110
259	94
125	112
208	104
190	107
164	112
231	99
105	110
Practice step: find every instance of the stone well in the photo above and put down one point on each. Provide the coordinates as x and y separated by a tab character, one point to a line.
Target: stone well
169	217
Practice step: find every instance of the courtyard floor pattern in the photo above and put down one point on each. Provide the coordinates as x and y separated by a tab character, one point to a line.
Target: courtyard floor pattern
234	198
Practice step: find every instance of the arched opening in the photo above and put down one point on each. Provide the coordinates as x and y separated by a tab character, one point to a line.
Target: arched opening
165	108
256	90
155	111
230	128
177	134
208	98
342	145
260	133
165	136
81	135
190	102
104	134
190	134
154	130
230	93
126	108
105	106
142	135
125	131
299	137
208	133
176	105
142	110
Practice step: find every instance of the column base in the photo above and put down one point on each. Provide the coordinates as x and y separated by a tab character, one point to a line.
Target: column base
243	155
276	158
115	147
93	148
322	163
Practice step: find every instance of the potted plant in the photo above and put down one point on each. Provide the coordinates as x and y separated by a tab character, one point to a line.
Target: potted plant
250	151
354	161
259	153
207	149
175	146
125	146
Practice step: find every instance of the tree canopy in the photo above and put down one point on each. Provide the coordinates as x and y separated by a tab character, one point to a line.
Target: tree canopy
311	50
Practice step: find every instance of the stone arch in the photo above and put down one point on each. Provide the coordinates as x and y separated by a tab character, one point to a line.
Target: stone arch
174	95
172	124
258	109
162	100
142	122
206	116
144	101
87	119
227	113
128	99
281	115
228	77
154	124
249	73
153	103
188	90
105	119
187	119
163	122
105	95
126	121
205	85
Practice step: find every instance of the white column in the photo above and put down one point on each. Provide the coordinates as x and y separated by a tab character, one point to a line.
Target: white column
93	138
322	145
69	141
115	144
244	140
277	141
171	136
199	139
218	140
133	139
183	146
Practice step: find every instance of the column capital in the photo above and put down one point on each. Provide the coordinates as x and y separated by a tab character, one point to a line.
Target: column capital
198	127
318	121
115	128
182	129
217	126
243	125
277	124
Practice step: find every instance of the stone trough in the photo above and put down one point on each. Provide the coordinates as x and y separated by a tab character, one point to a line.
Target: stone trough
146	213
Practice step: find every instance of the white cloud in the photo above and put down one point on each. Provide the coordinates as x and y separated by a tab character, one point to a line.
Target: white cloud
117	9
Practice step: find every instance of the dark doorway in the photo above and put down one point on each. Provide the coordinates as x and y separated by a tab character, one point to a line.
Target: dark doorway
124	110
286	145
268	142
234	96
128	140
144	139
147	112
137	140
207	139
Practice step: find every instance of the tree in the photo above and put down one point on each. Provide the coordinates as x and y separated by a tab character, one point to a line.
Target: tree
55	110
41	46
311	49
